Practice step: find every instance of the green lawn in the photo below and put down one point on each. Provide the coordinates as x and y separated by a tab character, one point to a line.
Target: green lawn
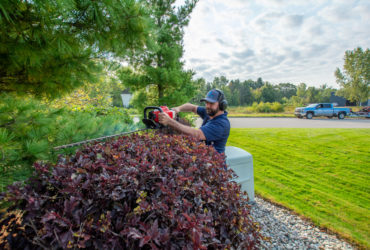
322	174
234	114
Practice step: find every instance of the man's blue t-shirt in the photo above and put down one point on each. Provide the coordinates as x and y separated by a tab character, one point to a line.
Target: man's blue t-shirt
215	130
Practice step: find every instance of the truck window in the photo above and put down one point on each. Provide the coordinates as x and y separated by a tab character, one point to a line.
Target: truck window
327	106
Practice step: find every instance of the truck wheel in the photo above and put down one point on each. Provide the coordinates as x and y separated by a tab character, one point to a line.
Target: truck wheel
309	115
341	116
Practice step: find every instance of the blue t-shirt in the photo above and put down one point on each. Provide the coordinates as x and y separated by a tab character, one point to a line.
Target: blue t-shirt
215	130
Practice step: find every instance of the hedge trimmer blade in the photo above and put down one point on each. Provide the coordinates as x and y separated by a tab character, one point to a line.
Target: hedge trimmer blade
150	120
97	139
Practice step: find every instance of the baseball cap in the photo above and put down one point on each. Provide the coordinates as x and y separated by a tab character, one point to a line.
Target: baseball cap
212	96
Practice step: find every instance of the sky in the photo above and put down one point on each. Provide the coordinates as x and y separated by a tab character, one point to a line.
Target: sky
278	40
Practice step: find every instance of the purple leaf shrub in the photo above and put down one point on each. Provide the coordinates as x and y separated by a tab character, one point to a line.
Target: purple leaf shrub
149	191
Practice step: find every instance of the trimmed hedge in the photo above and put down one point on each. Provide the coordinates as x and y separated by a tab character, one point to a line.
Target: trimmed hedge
149	191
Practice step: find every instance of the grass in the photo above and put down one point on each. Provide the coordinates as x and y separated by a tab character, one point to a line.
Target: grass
232	114
322	174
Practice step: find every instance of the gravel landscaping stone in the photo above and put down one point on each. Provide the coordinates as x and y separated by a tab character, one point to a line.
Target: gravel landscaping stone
288	231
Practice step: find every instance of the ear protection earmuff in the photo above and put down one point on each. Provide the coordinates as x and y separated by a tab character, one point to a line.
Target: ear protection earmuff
222	103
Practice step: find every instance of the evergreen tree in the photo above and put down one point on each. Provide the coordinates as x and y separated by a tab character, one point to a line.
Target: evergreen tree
48	48
258	84
234	87
246	97
158	76
267	93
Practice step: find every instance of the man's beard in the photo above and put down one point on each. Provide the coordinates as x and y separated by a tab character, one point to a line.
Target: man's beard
212	112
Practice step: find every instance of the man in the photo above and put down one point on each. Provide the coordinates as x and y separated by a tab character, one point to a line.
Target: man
215	128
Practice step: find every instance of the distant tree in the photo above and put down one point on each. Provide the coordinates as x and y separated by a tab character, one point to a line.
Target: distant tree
312	95
257	93
220	82
201	91
228	95
157	74
268	93
48	48
246	97
355	79
325	93
234	87
301	90
258	84
286	90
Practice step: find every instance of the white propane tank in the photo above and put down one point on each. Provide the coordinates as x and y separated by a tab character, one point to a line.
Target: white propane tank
241	162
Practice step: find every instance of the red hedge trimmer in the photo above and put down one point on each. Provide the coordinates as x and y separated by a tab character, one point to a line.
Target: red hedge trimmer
150	120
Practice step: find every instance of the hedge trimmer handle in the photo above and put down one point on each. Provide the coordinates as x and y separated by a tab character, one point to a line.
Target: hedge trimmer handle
151	107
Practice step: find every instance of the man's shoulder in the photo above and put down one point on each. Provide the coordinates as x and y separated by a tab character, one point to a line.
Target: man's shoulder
200	108
222	118
202	111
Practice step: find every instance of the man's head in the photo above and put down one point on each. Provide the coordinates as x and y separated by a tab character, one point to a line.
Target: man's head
215	101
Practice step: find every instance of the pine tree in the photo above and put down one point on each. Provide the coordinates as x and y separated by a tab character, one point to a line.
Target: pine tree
48	48
158	74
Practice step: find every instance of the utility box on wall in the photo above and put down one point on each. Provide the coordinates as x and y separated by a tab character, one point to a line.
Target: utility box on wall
241	162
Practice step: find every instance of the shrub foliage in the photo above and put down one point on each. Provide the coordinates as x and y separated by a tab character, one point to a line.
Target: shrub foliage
149	191
29	129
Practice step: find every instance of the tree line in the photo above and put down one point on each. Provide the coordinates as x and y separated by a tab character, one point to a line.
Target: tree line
247	92
354	82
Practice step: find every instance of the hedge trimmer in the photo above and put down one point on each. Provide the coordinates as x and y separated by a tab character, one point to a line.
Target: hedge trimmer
150	120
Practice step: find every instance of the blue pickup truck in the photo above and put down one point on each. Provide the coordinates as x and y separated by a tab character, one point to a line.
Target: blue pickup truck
321	109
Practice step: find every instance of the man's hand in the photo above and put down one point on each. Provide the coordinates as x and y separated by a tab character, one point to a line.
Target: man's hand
164	119
176	109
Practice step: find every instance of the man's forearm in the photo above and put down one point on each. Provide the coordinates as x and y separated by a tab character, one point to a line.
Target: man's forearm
187	107
197	133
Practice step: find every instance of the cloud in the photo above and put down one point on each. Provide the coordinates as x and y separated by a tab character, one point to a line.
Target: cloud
266	20
315	30
205	40
294	54
244	54
293	21
235	63
273	3
336	13
222	42
223	55
277	40
196	60
318	49
202	67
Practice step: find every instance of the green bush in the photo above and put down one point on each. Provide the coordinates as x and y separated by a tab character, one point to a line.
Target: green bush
263	108
277	107
30	129
267	107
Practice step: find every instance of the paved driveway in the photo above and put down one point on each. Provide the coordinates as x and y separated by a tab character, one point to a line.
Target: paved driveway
295	123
